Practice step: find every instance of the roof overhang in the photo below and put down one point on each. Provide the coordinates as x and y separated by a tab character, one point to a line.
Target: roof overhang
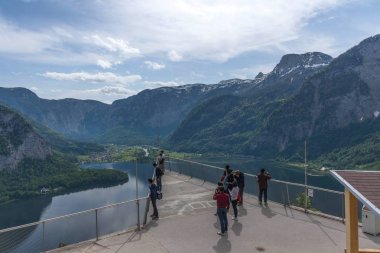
355	192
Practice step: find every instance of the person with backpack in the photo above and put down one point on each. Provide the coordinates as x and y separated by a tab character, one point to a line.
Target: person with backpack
239	176
262	180
234	192
230	179
158	176
153	195
222	203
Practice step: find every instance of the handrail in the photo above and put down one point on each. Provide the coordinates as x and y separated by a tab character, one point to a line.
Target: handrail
69	215
273	180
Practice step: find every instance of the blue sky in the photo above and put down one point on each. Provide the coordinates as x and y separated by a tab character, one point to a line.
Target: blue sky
110	49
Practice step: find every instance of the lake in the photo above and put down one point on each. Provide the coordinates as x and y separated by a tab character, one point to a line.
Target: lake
45	207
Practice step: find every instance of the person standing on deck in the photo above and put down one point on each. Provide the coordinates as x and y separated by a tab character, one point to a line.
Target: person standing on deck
222	203
153	197
262	180
161	161
234	192
240	182
225	177
158	175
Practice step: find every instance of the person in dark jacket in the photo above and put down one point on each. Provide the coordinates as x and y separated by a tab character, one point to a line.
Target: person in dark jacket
158	175
262	180
160	160
240	182
222	203
153	197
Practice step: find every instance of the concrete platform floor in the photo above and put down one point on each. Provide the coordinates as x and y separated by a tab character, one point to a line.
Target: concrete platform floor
187	224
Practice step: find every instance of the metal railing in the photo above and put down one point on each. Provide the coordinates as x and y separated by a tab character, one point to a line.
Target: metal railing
319	200
76	227
68	229
59	231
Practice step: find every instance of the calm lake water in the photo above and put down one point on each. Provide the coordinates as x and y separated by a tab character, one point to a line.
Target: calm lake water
83	227
77	228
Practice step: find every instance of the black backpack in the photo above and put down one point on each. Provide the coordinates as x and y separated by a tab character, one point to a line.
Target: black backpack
159	194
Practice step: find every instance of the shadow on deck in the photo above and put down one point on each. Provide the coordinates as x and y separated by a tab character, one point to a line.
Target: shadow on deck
187	224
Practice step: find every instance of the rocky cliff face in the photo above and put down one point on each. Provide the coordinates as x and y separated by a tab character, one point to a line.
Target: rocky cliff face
138	119
225	121
345	93
67	116
18	140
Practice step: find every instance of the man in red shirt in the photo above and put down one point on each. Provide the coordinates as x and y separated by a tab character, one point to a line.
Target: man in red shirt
222	203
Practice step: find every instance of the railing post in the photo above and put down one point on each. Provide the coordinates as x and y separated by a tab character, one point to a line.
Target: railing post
146	211
170	164
96	224
287	193
138	215
283	196
305	199
43	236
190	170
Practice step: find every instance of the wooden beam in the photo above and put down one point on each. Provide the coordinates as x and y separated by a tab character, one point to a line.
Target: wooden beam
352	227
369	251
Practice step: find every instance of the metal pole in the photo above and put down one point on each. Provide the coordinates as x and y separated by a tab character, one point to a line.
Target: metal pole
287	192
43	236
306	197
283	195
138	215
137	196
96	224
137	185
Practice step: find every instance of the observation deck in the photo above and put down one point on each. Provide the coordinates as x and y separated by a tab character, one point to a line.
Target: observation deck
187	224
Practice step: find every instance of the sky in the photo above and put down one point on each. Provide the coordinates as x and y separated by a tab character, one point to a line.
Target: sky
111	49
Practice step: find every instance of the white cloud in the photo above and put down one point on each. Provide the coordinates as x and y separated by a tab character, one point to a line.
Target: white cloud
34	88
116	90
313	43
113	45
174	56
100	77
251	72
182	29
106	94
64	46
211	30
104	64
154	65
157	84
14	40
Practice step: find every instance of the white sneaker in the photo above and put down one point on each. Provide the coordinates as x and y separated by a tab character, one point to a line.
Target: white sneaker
220	233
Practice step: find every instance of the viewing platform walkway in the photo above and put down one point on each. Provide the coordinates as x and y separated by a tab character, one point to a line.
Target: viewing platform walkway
187	224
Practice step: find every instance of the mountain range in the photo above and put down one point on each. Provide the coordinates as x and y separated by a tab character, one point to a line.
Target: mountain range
307	96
